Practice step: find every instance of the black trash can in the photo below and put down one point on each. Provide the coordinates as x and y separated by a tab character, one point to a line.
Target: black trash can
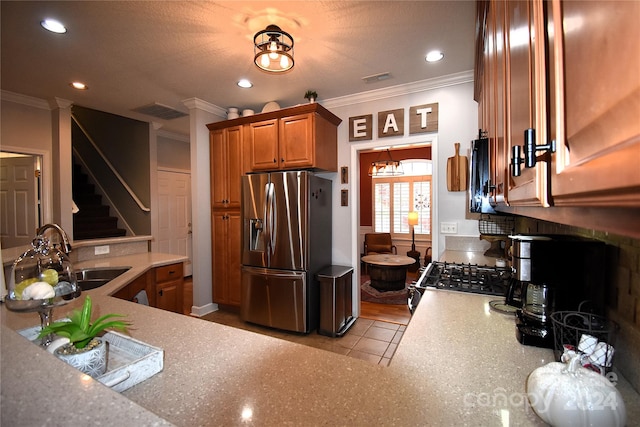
336	300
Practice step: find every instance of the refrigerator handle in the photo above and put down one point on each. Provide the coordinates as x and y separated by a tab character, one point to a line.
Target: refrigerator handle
274	224
268	216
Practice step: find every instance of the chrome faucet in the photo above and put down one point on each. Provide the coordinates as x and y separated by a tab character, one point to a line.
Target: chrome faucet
61	232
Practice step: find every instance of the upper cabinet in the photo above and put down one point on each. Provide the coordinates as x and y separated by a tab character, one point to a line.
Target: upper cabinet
566	75
226	166
595	115
302	137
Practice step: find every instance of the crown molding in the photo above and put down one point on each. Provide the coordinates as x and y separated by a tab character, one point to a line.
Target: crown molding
29	101
400	90
197	103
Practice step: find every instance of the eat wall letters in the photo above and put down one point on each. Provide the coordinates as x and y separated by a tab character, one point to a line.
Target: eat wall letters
422	119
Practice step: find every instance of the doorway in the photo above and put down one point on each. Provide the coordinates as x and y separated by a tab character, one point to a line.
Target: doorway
362	217
20	204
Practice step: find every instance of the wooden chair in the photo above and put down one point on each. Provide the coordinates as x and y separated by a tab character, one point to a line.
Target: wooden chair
379	243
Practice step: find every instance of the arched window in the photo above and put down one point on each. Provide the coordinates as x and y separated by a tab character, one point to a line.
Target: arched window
394	197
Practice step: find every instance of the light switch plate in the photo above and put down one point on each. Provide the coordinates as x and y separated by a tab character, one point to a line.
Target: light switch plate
101	250
449	227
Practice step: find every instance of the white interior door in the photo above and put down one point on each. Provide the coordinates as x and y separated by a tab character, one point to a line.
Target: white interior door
174	217
18	207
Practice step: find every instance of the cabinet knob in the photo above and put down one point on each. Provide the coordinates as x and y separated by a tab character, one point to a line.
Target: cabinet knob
275	161
160	292
282	160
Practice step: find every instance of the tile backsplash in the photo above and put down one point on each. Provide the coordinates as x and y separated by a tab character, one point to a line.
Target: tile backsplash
622	270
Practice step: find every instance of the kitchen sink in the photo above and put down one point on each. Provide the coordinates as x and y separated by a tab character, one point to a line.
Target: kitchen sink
92	278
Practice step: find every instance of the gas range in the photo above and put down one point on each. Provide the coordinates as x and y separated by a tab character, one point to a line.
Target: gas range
472	278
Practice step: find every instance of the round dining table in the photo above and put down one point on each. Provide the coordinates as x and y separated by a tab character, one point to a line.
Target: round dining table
388	272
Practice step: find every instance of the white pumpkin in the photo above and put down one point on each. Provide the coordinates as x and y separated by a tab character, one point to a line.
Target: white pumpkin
570	395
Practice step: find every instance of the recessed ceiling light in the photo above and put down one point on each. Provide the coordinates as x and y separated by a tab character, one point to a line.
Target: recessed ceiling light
53	26
434	56
245	83
79	85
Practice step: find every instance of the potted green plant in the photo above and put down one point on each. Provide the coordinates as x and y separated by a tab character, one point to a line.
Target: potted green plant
84	349
311	95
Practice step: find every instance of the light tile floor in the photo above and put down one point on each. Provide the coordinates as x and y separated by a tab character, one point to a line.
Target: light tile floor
371	340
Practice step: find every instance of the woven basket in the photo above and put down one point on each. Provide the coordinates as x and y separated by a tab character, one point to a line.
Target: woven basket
496	225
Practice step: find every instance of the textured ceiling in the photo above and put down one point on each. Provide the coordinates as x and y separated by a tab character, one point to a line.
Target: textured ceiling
136	53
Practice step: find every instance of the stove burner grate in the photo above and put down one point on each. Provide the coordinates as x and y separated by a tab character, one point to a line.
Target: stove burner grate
472	278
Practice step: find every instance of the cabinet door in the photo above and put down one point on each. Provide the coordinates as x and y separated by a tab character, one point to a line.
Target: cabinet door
526	97
263	145
596	111
226	167
169	296
234	223
493	107
226	257
234	165
218	168
296	141
500	158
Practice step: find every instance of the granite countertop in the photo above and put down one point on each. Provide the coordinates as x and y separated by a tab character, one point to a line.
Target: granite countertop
454	354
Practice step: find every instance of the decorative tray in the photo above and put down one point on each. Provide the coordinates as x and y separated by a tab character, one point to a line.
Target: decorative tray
129	361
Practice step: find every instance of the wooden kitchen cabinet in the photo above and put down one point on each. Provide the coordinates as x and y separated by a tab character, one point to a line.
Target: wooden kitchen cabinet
263	145
226	166
512	96
557	82
595	114
302	137
169	287
164	286
226	262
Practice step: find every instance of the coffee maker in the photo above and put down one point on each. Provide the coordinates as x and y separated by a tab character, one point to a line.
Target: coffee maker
553	273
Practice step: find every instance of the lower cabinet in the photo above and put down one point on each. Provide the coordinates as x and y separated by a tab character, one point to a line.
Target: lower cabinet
142	283
169	287
225	239
164	286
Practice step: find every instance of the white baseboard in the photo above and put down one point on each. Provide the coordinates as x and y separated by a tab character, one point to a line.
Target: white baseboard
203	310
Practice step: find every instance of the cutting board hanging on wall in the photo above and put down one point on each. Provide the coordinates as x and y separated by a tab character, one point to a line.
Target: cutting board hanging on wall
457	171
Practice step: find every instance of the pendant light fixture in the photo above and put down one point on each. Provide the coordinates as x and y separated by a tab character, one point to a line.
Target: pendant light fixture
273	50
386	167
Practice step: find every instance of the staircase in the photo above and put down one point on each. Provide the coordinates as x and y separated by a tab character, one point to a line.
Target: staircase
93	220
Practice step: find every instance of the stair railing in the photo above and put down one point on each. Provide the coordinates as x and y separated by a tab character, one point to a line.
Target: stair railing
108	163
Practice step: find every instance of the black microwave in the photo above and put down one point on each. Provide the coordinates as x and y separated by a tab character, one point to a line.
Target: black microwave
479	180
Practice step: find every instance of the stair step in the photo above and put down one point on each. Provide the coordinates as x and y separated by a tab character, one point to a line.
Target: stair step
87	199
92	211
83	188
95	222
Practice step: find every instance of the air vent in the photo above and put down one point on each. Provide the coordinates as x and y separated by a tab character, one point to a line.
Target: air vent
376	77
160	111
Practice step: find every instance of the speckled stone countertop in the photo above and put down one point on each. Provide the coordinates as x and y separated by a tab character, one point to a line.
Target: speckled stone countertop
457	364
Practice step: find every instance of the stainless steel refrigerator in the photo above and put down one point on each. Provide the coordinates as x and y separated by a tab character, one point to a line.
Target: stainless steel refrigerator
286	240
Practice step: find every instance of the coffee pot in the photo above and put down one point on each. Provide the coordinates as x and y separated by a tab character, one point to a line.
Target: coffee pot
538	302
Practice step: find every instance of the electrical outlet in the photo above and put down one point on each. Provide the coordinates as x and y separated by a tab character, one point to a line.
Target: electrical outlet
449	227
101	250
